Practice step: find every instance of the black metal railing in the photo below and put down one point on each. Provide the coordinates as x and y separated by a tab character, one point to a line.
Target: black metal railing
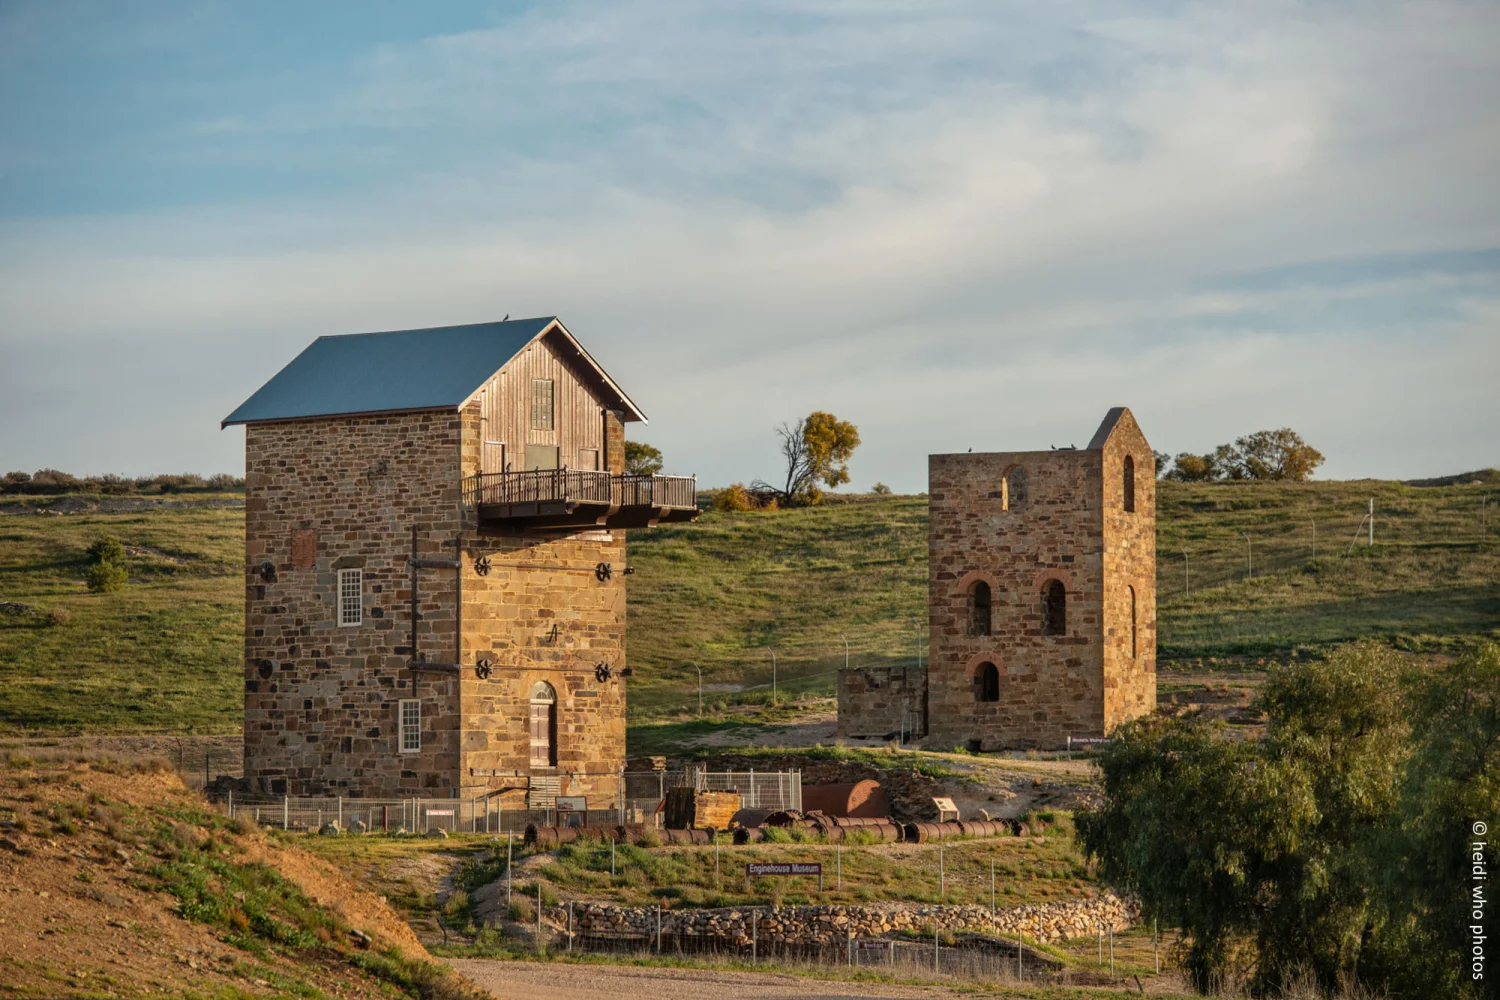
547	485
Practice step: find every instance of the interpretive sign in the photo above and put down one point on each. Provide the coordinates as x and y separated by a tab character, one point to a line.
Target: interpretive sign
757	868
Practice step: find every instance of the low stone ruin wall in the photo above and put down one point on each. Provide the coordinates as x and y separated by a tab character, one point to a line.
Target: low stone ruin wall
832	925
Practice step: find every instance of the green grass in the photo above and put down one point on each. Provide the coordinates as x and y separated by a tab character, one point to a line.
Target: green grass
165	652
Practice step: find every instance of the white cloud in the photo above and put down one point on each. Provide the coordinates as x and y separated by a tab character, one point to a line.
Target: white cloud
978	228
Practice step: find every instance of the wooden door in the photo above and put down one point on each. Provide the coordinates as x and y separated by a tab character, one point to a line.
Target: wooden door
542	728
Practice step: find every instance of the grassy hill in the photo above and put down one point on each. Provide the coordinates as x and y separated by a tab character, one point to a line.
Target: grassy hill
164	653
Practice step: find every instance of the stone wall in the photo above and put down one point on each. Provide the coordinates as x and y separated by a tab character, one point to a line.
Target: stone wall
1129	572
1050	685
542	614
877	702
825	925
321	699
1015	522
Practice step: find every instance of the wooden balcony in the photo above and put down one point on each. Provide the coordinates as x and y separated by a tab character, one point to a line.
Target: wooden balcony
551	499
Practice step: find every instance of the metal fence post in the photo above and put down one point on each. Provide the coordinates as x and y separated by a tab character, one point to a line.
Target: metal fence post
754	934
570	925
658	926
1111	950
508	844
231	803
286	812
538	916
942	875
341	813
934	945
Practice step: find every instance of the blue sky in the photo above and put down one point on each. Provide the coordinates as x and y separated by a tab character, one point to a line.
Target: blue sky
957	224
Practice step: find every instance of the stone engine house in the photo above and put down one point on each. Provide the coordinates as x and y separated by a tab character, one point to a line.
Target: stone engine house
435	567
1041	599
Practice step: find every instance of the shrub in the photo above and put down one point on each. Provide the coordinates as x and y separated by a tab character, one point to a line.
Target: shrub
105	578
734	498
880	489
107	550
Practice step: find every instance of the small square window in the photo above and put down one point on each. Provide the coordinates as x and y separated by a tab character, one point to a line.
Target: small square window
541	404
351	596
411	726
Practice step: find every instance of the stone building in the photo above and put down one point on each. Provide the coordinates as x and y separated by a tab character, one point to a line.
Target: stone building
435	566
1041	599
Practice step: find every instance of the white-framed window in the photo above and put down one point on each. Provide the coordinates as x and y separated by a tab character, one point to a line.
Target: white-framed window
411	725
351	596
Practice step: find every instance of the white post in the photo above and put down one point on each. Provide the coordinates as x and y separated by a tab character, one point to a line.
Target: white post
341	813
934	945
754	929
286	812
1372	523
508	845
231	803
942	875
992	893
539	917
1111	951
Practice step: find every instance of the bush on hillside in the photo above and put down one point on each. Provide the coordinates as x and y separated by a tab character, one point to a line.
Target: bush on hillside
105	578
107	550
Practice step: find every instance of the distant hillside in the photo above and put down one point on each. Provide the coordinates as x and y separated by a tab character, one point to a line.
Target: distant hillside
164	654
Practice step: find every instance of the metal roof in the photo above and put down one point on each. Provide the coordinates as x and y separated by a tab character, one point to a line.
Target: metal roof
436	368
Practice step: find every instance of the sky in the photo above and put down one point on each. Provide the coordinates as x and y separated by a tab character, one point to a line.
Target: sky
957	225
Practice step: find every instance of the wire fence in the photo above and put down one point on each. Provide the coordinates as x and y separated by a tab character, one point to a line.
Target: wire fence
644	793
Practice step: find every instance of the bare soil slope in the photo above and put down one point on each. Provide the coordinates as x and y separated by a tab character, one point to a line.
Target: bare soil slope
124	883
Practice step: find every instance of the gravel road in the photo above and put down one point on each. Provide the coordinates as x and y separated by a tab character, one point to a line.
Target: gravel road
559	981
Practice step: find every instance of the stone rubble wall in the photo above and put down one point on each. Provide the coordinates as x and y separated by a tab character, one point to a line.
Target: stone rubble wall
825	925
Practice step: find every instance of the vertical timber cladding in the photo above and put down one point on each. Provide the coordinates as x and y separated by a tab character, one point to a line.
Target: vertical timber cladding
1066	523
576	411
542	615
321	699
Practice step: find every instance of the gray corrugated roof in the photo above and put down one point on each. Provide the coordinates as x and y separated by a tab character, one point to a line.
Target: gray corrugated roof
435	368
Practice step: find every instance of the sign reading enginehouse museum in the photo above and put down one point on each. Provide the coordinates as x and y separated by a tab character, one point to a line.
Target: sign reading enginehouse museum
755	868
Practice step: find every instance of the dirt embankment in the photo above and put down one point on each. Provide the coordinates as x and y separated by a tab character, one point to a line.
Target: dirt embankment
122	882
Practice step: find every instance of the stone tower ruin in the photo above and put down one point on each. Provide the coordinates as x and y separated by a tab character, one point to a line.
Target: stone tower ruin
1041	600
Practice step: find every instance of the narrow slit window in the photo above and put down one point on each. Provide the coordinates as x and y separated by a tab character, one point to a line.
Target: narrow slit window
351	596
1013	489
1129	484
980	600
411	725
541	404
1054	608
1133	646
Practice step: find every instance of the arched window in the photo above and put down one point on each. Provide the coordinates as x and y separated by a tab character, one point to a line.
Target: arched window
1054	608
979	609
1013	489
1133	646
987	683
543	725
1129	484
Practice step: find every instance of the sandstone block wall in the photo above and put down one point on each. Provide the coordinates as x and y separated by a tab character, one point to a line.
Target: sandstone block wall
1050	685
321	699
874	701
1016	521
